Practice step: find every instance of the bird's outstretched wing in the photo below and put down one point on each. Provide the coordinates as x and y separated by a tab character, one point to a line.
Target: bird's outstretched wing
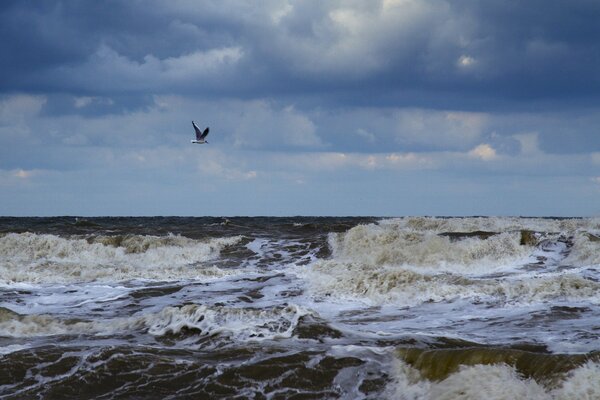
198	131
204	134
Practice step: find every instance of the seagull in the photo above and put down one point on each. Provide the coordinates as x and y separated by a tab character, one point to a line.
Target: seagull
200	136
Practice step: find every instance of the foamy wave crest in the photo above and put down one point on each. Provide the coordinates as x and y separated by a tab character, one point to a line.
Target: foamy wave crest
585	251
240	323
494	382
387	245
492	224
408	288
36	258
410	261
244	323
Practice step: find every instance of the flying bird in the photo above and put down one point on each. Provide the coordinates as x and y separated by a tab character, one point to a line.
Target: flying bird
200	136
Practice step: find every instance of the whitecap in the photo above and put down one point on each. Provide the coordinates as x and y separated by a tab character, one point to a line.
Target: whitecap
46	258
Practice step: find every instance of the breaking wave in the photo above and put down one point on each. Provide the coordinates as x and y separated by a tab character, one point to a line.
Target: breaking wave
586	250
409	288
239	323
384	245
46	258
492	224
497	381
408	261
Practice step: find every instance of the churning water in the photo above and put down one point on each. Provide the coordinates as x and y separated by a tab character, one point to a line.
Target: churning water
300	308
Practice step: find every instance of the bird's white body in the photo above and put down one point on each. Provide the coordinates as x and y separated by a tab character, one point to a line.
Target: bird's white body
200	136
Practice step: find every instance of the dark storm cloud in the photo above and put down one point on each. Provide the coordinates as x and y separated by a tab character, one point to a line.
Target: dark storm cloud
538	48
35	39
459	54
49	45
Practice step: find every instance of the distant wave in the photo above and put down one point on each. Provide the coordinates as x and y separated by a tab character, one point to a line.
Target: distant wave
492	224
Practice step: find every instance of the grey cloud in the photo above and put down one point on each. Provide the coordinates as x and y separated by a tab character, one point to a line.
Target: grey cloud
460	55
261	126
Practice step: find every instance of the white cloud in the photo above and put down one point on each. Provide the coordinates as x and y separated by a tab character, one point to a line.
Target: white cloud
282	10
410	160
77	139
16	115
199	63
264	125
224	170
84	101
529	143
115	70
484	151
18	107
17	176
445	129
317	161
365	134
332	161
354	39
465	61
205	162
81	102
22	174
547	50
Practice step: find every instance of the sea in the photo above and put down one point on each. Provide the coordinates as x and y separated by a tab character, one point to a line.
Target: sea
300	308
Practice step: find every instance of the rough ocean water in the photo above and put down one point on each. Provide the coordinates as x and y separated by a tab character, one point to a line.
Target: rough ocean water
300	308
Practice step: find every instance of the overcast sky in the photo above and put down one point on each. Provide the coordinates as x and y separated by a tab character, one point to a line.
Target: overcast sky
388	108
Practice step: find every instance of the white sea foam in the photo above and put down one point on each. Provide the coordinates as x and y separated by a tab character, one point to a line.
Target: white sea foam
419	235
408	261
240	323
493	382
381	245
492	224
408	288
44	258
74	298
11	348
243	323
582	383
585	251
